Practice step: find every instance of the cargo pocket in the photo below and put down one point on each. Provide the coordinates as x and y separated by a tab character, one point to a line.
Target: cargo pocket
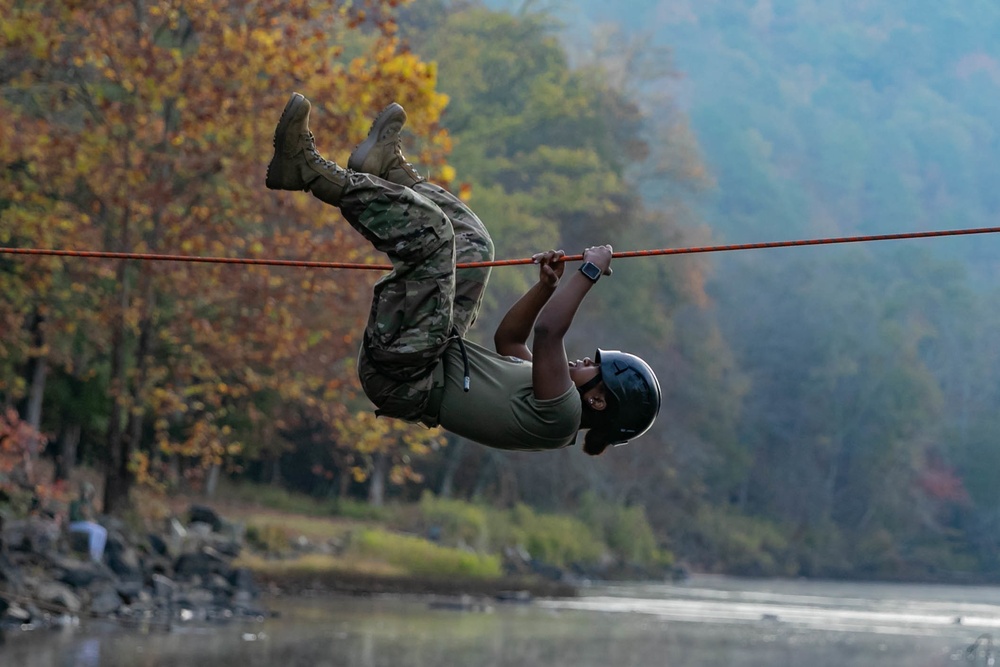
388	314
426	322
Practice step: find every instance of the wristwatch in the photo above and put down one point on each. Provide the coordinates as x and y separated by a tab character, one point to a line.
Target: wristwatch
591	270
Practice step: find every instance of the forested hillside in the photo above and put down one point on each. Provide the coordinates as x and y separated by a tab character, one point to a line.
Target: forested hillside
827	411
870	413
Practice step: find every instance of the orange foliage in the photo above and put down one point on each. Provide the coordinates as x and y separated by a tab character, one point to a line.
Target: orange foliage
147	127
17	440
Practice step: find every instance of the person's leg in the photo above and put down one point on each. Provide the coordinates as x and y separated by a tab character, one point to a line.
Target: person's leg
472	244
410	322
98	540
411	309
97	537
381	154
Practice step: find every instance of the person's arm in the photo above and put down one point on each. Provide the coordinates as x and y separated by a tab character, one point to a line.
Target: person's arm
550	369
511	337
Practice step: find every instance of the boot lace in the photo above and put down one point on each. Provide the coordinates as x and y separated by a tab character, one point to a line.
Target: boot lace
403	164
313	155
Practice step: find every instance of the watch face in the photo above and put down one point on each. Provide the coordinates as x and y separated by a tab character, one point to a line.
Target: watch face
591	270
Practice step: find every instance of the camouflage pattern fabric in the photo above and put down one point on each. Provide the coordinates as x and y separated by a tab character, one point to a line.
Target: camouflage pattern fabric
419	307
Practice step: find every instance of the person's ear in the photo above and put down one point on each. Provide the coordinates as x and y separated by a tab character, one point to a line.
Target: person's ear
598	402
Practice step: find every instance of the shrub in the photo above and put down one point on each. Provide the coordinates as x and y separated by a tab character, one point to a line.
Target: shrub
626	531
459	522
418	556
361	511
269	538
275	498
743	545
557	540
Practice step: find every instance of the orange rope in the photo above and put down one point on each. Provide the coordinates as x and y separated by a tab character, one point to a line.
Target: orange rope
500	262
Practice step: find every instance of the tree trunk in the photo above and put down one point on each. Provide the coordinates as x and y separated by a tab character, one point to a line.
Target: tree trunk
212	481
38	371
274	474
376	485
116	488
36	392
120	478
487	474
68	444
452	461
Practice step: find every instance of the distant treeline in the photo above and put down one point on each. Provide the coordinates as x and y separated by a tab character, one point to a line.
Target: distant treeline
826	412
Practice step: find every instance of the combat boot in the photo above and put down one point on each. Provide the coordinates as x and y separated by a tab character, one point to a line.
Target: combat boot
296	164
381	153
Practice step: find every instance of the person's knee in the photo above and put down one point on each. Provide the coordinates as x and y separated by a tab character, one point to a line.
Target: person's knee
489	251
430	237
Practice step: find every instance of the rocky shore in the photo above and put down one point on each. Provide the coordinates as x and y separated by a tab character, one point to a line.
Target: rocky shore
183	574
187	573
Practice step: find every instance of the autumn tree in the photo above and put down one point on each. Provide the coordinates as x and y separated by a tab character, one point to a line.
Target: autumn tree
147	127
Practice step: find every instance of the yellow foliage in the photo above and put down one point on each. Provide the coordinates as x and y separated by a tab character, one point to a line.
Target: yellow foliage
155	135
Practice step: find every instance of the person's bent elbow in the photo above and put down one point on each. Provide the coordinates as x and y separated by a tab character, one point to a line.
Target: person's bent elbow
549	331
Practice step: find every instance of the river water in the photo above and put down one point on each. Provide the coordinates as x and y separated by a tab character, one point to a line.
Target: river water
703	622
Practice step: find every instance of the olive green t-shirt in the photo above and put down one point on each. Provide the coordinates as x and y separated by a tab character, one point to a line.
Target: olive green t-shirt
500	409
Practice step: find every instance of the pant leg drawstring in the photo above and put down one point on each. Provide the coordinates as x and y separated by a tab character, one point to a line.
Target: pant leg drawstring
466	382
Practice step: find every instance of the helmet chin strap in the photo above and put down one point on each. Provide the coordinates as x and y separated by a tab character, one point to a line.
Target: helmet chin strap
590	384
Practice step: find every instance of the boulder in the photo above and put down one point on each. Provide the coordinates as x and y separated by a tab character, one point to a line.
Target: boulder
78	573
163	587
123	559
201	564
55	593
157	544
105	601
203	514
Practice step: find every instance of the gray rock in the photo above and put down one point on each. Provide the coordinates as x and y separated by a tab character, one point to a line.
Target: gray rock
77	573
202	564
163	587
125	562
105	602
199	529
242	580
218	584
18	613
53	592
130	590
195	598
206	515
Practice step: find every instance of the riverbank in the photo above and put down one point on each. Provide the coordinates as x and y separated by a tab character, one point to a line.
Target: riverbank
505	589
199	565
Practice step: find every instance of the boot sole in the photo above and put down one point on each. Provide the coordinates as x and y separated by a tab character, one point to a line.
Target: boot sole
276	177
357	159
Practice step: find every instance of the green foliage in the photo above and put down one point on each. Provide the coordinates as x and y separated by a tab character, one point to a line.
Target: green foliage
625	530
556	539
277	498
421	557
601	531
738	544
362	511
269	538
459	522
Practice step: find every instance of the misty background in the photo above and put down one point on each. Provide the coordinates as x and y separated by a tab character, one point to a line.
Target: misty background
858	366
827	411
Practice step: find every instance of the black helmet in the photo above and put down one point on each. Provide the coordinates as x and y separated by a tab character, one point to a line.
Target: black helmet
636	391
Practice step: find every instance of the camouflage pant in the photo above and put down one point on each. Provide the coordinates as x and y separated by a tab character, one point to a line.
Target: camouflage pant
424	302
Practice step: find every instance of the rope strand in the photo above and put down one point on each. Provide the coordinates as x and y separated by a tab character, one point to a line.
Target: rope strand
95	254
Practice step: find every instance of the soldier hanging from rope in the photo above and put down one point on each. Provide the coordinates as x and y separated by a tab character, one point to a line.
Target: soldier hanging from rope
414	363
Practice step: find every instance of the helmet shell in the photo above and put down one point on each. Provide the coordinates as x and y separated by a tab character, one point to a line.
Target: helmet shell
636	389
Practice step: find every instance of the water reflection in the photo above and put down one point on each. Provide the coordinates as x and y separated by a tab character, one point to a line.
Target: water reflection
621	626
